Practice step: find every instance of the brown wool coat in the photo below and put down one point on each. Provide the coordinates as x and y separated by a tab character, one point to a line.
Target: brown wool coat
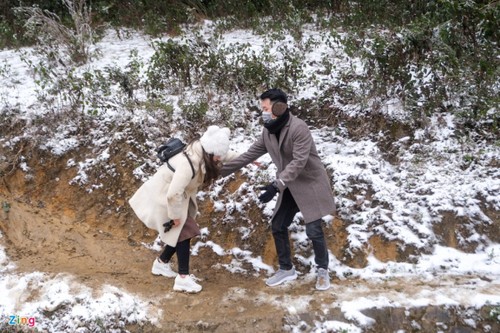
299	168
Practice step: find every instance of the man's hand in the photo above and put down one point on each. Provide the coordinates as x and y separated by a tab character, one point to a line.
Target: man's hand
271	190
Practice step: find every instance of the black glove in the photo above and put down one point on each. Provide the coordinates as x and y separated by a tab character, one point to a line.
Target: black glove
271	190
168	225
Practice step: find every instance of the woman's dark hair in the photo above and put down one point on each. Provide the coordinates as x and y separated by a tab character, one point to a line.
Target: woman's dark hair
212	168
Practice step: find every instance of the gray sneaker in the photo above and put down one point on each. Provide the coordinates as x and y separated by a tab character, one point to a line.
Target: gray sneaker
323	279
281	276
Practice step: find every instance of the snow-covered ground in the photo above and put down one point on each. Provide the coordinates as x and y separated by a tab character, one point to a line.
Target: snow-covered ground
438	172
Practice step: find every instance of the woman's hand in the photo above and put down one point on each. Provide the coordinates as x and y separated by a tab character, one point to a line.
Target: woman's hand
258	164
177	222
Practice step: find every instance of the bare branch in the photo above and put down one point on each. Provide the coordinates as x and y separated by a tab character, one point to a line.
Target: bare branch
52	33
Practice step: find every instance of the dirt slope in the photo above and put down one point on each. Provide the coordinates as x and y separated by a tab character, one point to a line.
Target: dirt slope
229	302
51	226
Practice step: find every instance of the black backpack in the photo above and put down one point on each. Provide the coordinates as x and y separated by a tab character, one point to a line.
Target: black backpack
171	148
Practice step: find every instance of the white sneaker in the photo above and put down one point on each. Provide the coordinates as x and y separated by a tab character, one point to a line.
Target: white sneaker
187	284
160	268
323	279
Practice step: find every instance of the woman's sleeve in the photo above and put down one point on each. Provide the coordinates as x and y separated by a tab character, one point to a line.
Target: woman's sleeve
176	193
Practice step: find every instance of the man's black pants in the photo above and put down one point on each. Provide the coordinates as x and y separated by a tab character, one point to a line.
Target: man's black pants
314	230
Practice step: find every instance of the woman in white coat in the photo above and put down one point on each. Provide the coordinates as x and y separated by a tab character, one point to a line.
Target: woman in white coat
171	196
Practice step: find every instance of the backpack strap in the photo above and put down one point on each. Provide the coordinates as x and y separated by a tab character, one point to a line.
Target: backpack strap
190	164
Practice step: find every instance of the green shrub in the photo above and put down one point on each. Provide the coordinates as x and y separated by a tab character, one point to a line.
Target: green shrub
194	113
155	104
176	65
173	64
441	58
128	80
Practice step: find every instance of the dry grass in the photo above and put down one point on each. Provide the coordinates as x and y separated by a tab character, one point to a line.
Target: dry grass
51	33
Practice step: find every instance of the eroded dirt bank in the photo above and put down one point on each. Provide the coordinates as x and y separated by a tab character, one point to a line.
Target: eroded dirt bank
57	228
38	239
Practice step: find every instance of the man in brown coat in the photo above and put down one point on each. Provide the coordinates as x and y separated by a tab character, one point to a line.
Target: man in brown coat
301	181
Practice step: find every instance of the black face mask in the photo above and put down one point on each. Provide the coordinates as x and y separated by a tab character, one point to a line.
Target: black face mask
274	126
